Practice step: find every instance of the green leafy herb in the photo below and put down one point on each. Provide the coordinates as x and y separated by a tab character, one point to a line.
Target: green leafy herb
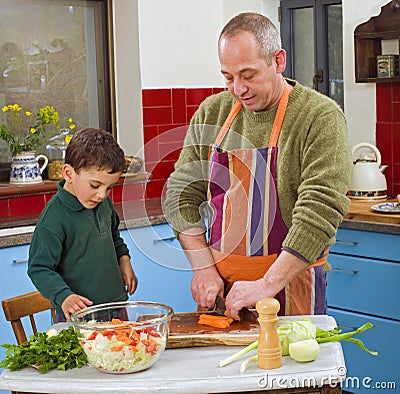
45	352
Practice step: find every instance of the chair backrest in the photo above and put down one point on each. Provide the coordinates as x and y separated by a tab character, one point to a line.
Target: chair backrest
25	305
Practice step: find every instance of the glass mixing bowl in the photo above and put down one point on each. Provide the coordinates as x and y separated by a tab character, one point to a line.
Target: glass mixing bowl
123	337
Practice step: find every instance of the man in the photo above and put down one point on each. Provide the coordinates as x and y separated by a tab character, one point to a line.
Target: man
271	159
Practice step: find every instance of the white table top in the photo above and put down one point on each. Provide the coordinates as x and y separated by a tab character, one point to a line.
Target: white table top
189	370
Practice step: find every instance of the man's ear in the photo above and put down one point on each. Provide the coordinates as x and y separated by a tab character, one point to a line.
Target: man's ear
68	172
280	60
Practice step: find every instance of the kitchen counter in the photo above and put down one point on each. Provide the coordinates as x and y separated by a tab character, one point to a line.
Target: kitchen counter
147	212
194	370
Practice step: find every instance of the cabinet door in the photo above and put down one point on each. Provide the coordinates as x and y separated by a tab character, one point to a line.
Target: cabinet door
14	281
161	266
367	244
364	285
367	373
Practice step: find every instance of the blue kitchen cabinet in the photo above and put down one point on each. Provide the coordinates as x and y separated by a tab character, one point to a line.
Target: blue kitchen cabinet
14	281
363	287
161	266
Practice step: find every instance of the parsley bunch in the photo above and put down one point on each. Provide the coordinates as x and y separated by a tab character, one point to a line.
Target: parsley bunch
61	351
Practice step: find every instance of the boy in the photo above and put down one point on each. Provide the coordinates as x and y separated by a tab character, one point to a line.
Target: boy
77	257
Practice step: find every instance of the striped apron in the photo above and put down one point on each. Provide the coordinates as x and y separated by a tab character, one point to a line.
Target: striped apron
247	229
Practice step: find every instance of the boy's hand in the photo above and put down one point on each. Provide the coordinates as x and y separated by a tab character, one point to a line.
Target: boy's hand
128	276
74	303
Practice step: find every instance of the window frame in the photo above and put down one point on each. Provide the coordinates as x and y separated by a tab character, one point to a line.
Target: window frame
320	35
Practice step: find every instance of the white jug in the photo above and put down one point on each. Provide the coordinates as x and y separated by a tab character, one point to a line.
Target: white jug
25	169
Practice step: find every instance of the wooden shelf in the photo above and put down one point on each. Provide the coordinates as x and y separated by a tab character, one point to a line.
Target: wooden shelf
368	39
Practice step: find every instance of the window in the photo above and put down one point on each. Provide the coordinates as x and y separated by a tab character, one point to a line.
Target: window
56	52
312	36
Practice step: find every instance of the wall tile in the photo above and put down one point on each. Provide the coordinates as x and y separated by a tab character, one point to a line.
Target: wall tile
383	102
384	141
396	142
4	208
156	98
151	150
162	170
197	95
133	192
396	92
149	132
26	205
217	90
157	116
156	188
179	106
190	110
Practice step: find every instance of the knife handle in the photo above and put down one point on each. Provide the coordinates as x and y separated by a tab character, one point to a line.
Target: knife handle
269	348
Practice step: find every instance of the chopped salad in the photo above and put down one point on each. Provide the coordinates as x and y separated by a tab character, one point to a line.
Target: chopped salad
124	347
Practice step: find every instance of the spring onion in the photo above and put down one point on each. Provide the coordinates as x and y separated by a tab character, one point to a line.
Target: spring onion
300	330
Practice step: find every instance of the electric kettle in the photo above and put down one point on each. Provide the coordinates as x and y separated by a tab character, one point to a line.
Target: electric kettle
368	181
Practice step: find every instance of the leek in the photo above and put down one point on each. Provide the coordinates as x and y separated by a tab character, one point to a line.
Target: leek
298	330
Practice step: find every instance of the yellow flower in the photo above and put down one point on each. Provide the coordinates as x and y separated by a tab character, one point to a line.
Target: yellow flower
5	108
72	126
68	138
28	113
69	120
33	130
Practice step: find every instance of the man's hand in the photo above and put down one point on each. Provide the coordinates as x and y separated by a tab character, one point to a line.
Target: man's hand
206	285
74	303
206	282
246	293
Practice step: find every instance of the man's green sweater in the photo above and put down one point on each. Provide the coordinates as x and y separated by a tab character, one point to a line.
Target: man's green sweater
76	250
313	166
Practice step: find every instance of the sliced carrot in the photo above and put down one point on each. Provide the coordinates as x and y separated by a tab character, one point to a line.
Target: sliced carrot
215	321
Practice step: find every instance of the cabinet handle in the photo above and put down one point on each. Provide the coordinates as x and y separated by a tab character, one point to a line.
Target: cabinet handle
19	261
347	243
155	240
351	272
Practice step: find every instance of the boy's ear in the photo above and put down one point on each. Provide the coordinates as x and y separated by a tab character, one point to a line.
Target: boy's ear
68	172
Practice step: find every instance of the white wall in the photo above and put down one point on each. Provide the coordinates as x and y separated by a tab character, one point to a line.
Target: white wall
178	48
359	99
178	39
129	123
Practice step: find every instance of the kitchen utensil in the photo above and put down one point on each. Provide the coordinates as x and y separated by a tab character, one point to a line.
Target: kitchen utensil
245	314
186	332
368	181
123	337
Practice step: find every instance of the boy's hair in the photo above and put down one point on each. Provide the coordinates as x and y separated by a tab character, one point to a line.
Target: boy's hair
95	148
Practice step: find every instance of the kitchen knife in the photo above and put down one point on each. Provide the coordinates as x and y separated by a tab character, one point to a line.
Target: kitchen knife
245	314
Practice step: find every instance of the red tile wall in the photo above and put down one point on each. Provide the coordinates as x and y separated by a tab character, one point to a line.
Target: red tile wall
388	132
166	114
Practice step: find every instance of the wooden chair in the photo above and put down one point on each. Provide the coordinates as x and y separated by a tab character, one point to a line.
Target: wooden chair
23	305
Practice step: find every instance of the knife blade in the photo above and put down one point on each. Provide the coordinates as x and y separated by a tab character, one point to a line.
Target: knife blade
245	314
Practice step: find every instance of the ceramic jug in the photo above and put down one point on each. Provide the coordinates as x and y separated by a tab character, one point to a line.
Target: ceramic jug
25	169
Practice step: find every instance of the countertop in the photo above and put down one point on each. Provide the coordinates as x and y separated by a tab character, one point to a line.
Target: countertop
147	212
192	370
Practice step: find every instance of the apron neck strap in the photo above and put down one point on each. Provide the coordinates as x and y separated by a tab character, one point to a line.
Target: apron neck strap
276	128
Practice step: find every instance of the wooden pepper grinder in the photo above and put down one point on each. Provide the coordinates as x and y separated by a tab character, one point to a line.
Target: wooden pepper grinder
269	348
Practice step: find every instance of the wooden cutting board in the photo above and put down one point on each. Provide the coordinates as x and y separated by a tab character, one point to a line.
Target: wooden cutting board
186	332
